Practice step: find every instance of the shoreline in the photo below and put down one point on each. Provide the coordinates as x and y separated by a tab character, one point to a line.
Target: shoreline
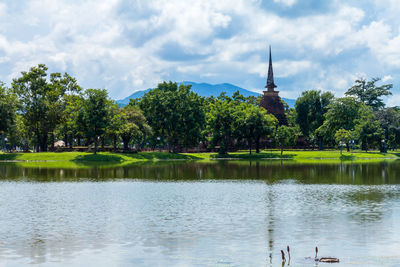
111	157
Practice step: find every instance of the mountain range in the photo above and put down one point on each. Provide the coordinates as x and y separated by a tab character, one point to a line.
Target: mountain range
205	90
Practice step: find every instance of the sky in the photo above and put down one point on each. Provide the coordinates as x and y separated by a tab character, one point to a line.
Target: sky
130	45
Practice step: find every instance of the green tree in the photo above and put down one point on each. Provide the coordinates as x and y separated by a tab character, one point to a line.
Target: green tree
116	123
95	114
175	114
219	122
342	113
42	101
369	93
310	109
285	136
134	126
343	136
252	123
8	108
69	127
389	120
254	100
368	130
19	135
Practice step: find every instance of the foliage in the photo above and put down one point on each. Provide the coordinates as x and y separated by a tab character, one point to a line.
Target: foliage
8	107
70	125
369	93
40	107
342	113
252	123
116	123
176	114
389	120
368	129
310	109
133	126
42	101
95	114
285	136
343	136
220	120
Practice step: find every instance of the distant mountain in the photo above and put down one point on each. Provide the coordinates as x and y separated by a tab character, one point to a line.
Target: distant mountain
206	89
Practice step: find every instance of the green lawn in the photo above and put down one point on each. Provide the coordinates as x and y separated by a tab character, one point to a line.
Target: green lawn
146	156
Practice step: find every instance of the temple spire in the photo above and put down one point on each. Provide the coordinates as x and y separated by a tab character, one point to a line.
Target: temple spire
270	80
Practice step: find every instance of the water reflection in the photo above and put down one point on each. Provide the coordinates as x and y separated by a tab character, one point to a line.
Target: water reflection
271	171
199	213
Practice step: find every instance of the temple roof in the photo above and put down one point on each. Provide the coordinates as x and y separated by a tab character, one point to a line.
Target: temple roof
270	80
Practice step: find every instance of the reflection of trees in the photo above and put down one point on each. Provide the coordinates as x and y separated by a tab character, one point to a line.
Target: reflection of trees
270	223
368	202
364	173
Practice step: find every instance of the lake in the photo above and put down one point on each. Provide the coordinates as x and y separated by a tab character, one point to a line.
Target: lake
200	213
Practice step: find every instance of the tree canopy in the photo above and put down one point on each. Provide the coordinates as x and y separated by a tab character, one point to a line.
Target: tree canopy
40	108
310	109
369	93
175	113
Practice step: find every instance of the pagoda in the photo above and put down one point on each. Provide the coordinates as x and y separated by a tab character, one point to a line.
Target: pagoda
271	100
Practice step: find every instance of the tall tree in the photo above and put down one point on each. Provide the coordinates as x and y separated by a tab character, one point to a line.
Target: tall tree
116	123
285	136
134	126
253	123
343	136
389	120
368	129
95	114
342	113
69	127
369	93
175	113
42	101
8	108
220	122
310	109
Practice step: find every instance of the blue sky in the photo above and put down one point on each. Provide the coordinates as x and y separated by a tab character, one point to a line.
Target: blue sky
125	46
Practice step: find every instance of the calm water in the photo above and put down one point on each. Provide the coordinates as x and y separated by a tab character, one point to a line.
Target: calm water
200	214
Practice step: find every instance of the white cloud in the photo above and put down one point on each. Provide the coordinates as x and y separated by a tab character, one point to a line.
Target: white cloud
3	9
286	2
287	68
387	78
393	100
116	44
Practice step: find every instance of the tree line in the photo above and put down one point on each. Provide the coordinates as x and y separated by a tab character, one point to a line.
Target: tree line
40	108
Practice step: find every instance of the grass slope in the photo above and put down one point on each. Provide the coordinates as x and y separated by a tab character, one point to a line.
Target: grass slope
145	156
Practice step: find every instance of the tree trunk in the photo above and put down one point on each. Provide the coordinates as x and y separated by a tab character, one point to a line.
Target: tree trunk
71	141
43	143
365	146
102	142
258	145
79	140
52	141
115	142
126	143
250	143
223	147
348	147
95	145
3	142
320	143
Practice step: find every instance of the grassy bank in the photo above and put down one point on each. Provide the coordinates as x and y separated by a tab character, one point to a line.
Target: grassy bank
297	155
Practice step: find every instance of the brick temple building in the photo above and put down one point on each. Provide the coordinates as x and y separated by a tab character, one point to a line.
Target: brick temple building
271	100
